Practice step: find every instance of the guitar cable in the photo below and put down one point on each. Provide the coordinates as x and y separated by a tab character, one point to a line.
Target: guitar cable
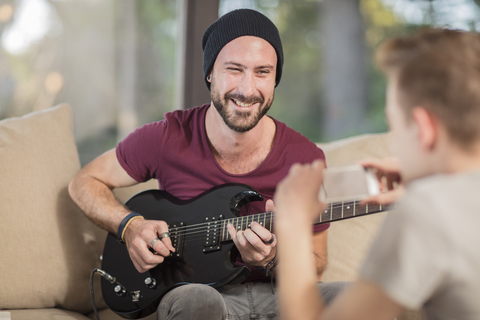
109	278
92	294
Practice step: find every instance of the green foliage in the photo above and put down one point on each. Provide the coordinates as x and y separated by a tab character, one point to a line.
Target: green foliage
297	98
157	36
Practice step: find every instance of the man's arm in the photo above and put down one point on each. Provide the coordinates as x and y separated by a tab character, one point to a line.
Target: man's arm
91	189
298	293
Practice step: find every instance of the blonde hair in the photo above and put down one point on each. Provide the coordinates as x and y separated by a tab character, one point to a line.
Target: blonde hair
438	69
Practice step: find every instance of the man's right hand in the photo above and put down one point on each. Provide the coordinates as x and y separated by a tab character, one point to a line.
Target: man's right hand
138	237
91	189
389	178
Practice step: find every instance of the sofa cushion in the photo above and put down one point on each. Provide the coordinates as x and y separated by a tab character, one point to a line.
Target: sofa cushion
47	246
45	314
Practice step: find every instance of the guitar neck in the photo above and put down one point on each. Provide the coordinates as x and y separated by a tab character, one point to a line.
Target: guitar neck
348	209
334	211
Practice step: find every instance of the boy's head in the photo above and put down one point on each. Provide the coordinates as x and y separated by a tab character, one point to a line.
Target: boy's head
433	79
439	70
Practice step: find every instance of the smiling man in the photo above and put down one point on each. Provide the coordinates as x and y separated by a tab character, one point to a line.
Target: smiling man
230	140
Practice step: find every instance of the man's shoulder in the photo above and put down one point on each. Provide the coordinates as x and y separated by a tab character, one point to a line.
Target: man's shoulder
297	143
288	133
291	135
185	115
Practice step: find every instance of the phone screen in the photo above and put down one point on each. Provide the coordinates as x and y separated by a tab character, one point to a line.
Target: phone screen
347	183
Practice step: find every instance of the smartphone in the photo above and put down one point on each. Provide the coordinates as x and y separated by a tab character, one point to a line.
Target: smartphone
347	183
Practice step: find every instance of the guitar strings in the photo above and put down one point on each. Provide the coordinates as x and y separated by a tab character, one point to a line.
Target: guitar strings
190	233
252	217
200	227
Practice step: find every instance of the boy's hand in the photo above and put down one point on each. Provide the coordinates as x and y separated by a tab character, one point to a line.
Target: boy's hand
297	196
389	178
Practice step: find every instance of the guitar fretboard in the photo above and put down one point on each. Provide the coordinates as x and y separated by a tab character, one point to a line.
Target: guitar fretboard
348	209
334	211
242	223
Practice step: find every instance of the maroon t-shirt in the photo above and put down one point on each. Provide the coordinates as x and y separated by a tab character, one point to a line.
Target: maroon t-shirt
175	151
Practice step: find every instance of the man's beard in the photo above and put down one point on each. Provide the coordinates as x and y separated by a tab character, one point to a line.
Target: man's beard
239	121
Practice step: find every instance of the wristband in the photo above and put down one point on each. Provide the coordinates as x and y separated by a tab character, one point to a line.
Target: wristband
270	267
125	222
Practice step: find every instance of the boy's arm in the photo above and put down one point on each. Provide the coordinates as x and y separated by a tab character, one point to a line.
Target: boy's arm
363	300
319	252
299	296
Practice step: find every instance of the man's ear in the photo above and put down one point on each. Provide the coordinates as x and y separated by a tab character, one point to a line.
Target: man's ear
427	126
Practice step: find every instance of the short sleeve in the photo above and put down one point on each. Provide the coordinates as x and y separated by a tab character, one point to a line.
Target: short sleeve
409	258
138	153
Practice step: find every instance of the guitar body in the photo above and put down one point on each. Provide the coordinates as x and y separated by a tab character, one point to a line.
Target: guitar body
202	255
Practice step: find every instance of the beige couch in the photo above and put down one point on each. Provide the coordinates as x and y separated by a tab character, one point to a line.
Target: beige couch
48	248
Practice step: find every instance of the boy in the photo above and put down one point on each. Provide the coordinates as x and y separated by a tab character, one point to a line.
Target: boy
426	253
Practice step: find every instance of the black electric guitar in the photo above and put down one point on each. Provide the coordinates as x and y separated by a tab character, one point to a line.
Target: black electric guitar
198	231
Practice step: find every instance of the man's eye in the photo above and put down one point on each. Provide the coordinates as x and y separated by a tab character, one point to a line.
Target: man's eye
263	71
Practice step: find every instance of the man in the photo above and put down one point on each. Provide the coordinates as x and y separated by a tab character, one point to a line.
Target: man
228	141
426	254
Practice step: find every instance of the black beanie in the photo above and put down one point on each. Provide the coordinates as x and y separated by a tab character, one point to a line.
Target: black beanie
235	24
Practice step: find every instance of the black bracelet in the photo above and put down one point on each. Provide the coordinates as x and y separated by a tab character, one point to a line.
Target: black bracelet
270	267
124	222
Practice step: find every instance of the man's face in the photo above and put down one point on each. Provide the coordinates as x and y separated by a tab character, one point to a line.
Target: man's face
243	82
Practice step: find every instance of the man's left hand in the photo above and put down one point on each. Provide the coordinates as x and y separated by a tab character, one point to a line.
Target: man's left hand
253	243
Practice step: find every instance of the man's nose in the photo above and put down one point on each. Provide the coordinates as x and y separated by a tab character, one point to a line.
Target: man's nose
247	85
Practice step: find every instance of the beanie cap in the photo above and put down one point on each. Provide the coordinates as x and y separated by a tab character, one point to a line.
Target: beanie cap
235	24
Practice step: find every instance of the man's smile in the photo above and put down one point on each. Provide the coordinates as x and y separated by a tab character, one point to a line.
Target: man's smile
241	104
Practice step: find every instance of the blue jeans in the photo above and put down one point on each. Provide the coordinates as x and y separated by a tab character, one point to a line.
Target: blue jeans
241	302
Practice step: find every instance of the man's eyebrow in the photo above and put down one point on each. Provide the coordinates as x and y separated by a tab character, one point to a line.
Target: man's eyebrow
234	63
242	66
266	67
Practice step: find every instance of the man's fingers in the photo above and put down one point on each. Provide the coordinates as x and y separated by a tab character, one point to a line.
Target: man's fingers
269	206
250	239
233	233
168	244
150	244
241	239
262	233
143	259
161	248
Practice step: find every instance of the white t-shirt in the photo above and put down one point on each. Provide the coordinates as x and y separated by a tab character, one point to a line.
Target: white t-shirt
428	252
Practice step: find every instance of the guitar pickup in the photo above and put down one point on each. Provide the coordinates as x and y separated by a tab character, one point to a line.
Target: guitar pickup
177	237
212	234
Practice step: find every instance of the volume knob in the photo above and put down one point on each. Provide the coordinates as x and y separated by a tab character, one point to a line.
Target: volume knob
120	291
151	282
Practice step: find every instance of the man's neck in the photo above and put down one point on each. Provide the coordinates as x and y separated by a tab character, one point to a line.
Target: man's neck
239	152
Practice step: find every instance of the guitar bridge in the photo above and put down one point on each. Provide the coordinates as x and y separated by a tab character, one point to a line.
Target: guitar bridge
212	234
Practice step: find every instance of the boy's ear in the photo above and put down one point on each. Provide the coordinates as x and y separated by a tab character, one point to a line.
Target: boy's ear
427	127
